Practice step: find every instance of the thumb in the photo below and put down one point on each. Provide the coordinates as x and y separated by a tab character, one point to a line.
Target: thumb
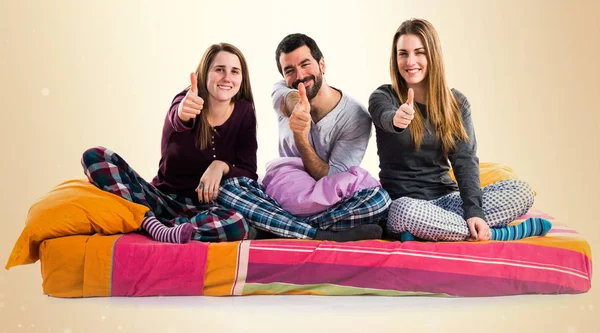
411	97
472	230
194	81
303	98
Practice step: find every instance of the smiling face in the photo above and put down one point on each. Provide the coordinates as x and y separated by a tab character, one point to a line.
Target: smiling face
224	77
300	66
412	60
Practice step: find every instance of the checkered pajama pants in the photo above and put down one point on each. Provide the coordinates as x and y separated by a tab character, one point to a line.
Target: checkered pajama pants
442	219
109	172
263	212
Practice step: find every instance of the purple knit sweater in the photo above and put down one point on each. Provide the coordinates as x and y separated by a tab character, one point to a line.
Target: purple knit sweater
182	163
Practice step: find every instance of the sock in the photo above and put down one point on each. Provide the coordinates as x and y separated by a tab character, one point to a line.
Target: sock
178	234
361	232
407	237
261	234
533	226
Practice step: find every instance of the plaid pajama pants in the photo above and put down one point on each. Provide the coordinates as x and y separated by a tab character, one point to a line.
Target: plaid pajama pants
109	172
248	197
442	219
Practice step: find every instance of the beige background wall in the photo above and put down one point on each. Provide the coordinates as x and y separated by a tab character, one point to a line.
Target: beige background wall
78	74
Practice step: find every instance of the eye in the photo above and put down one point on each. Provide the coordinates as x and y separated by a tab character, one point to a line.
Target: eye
236	71
402	54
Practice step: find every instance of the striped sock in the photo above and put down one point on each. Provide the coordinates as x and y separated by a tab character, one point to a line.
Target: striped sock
533	226
178	234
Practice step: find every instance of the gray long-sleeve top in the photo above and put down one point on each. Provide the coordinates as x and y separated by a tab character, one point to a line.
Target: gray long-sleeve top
423	174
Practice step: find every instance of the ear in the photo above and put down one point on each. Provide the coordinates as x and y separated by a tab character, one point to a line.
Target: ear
322	64
280	65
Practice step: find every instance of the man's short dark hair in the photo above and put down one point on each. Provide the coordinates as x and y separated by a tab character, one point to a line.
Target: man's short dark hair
294	41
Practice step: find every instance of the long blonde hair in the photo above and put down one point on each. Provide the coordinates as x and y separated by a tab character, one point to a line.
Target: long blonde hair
203	128
442	109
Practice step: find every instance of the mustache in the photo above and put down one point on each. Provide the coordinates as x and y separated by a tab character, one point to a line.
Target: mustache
306	79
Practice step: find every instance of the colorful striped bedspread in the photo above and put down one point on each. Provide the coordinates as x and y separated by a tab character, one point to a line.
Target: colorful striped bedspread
134	265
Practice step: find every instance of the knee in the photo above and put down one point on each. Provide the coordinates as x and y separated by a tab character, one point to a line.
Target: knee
526	193
402	204
242	223
400	211
237	216
232	217
381	199
521	190
94	155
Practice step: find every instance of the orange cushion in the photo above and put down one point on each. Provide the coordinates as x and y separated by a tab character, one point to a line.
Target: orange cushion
75	207
490	172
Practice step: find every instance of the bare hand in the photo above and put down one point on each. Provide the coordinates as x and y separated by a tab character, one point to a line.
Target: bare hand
479	229
192	104
210	182
300	117
406	112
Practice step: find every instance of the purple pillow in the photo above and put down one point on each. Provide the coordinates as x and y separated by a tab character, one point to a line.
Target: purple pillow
300	194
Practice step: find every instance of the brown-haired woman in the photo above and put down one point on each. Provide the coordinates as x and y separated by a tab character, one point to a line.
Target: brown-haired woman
209	134
421	127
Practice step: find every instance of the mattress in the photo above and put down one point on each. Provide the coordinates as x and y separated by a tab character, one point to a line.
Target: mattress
134	265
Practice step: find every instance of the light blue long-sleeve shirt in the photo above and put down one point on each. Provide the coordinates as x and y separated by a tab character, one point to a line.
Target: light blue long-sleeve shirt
339	139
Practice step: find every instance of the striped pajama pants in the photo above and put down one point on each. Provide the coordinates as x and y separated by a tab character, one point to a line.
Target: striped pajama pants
109	172
442	219
248	197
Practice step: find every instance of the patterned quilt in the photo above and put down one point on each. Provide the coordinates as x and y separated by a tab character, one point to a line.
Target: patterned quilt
134	265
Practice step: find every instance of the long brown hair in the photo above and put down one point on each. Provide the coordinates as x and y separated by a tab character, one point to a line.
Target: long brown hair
442	109
203	129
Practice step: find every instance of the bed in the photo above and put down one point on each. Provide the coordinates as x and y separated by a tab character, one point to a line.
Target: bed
135	265
85	241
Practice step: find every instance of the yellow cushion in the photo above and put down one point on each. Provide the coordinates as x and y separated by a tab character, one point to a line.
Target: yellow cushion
75	207
490	172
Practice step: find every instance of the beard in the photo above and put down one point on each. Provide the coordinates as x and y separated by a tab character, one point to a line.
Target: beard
317	83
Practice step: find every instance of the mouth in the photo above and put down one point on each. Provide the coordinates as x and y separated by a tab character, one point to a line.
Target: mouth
306	82
413	71
224	87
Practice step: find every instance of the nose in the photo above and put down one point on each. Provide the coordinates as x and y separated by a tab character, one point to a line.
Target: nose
410	59
300	75
227	76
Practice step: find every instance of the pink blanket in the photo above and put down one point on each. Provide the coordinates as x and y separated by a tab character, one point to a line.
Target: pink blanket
300	194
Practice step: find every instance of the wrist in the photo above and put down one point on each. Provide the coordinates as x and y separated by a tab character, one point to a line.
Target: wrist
224	166
290	100
301	138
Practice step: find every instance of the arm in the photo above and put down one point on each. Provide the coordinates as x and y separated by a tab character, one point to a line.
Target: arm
300	124
288	103
173	119
466	166
186	106
348	149
382	107
244	161
313	164
280	99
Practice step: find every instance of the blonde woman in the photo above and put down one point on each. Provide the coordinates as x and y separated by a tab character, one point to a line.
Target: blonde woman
422	128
